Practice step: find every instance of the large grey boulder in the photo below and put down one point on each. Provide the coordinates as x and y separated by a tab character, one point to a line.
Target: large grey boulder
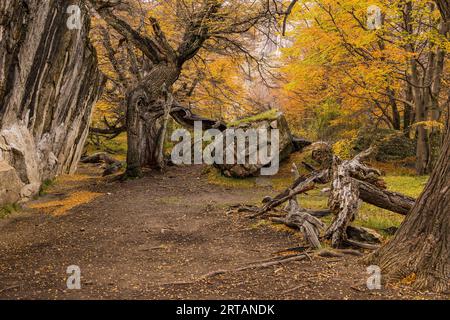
287	144
10	184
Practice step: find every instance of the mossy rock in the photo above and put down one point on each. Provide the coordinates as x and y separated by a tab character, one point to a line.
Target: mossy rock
269	120
269	115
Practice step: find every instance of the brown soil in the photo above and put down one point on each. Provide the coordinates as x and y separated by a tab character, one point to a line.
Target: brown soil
151	238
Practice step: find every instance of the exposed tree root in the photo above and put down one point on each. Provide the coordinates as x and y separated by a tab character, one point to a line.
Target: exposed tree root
111	165
298	218
262	265
254	266
361	245
337	253
301	185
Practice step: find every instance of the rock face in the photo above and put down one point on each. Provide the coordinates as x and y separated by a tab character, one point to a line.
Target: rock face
10	184
49	82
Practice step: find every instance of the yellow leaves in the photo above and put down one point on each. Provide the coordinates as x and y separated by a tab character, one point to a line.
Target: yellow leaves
60	207
220	88
409	280
430	124
334	56
343	148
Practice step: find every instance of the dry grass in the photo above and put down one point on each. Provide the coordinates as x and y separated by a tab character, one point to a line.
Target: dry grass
61	206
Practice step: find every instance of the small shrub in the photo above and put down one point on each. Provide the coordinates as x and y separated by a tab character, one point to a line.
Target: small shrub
344	148
392	145
47	184
8	209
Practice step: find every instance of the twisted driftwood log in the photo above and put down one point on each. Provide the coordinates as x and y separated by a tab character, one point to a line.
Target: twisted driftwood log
299	218
384	199
352	182
344	198
301	185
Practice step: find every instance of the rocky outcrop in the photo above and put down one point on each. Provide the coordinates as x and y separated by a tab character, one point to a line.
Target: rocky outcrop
286	144
10	184
49	82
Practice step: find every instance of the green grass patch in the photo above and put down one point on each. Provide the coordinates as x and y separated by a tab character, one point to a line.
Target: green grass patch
369	216
268	115
377	219
215	177
6	210
410	185
46	185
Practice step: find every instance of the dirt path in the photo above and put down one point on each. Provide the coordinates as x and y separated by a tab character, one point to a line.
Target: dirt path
150	238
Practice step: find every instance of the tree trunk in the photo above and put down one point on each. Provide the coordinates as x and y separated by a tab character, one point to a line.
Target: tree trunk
49	82
421	247
408	113
385	199
396	119
422	149
145	118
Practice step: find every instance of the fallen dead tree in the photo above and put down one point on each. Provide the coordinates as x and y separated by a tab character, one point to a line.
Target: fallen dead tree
385	199
111	165
300	219
352	181
301	185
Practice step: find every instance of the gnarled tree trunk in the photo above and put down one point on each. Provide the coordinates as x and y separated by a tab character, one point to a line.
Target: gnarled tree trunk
145	118
421	247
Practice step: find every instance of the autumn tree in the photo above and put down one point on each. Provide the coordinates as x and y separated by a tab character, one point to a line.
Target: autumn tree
195	25
391	74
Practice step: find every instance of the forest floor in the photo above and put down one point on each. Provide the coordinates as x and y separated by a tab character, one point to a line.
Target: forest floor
153	238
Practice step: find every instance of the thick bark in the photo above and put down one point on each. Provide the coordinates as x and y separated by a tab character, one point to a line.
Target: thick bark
49	81
145	121
421	247
344	197
353	181
145	102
